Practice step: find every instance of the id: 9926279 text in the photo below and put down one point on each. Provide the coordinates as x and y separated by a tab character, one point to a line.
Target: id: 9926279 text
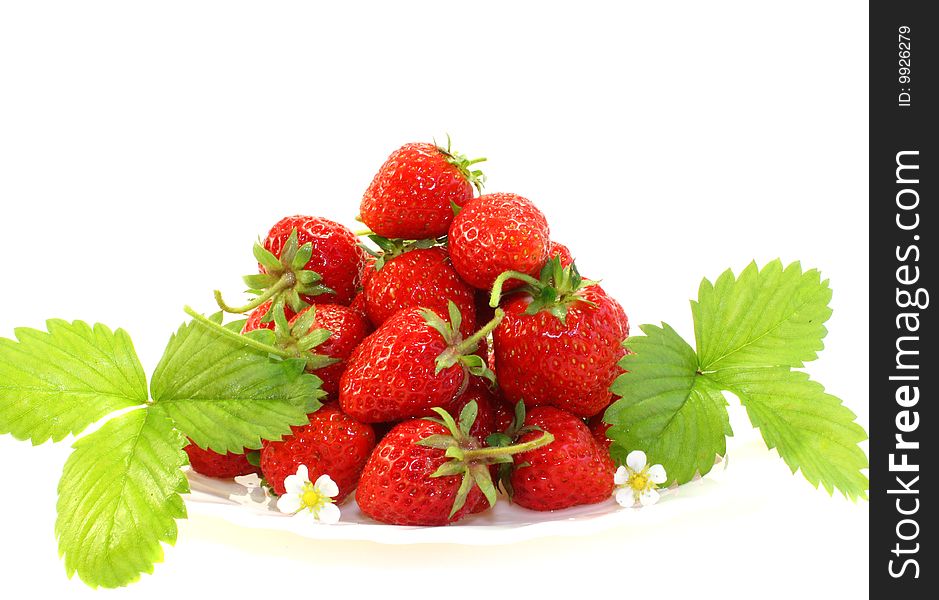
903	65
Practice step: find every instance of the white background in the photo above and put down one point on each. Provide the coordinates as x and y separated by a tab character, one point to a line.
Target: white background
144	147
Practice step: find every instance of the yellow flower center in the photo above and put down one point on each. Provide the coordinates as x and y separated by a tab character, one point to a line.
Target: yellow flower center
639	482
312	499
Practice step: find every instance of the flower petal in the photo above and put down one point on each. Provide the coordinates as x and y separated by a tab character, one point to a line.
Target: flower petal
657	474
326	486
636	460
293	484
329	513
288	503
621	476
648	497
625	497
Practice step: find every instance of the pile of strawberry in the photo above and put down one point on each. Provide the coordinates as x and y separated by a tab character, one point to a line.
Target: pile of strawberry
463	356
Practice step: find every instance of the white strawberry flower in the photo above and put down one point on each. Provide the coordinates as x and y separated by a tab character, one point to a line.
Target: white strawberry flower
311	500
636	481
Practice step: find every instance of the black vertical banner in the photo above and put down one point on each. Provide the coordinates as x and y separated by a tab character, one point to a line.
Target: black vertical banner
904	375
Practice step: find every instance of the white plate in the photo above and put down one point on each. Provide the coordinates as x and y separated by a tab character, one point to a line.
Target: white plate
243	502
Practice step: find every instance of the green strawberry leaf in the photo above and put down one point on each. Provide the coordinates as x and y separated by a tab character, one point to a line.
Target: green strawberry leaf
56	383
751	331
119	497
812	431
666	408
227	396
771	316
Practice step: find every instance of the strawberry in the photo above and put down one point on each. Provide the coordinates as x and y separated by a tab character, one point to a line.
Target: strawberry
324	335
347	329
302	261
560	341
415	361
213	464
332	443
432	471
573	470
424	278
413	193
495	233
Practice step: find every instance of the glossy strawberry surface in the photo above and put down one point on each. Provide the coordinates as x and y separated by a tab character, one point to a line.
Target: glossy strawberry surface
332	443
347	328
336	256
571	364
572	470
392	374
419	278
495	233
213	464
396	485
410	196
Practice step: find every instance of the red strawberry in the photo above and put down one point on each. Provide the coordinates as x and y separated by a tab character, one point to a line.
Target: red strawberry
332	443
412	195
562	252
415	361
213	464
418	278
560	343
347	329
573	470
432	472
336	255
324	335
304	260
496	233
397	486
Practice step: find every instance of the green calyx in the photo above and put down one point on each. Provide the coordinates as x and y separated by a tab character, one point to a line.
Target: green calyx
460	351
474	176
284	282
468	457
300	339
556	289
505	439
392	248
285	342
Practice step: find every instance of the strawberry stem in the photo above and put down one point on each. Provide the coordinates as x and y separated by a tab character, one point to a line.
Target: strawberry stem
498	451
237	337
286	281
473	341
500	281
